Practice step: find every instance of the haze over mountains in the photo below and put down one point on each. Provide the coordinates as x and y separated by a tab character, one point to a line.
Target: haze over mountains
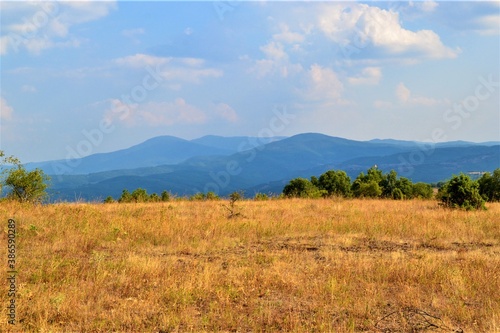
252	164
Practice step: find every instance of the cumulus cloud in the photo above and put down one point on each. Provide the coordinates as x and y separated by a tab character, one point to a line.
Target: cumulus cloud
155	113
488	25
369	76
403	93
44	25
406	97
140	60
226	112
369	25
191	70
133	34
287	36
324	84
5	110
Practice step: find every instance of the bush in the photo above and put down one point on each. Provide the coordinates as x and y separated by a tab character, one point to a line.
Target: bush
125	197
261	197
212	196
165	196
368	190
140	195
154	198
335	183
489	186
461	192
109	199
26	186
302	188
422	191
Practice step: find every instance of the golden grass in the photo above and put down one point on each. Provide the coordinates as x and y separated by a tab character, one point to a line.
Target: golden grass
285	265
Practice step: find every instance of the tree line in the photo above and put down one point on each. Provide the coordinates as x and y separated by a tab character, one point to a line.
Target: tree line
459	192
372	184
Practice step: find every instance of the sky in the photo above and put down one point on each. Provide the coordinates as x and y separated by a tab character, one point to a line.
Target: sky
79	78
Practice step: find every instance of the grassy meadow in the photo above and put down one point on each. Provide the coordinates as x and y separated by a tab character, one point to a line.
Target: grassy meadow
295	265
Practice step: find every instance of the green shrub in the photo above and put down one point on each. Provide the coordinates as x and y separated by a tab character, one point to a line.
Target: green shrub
461	192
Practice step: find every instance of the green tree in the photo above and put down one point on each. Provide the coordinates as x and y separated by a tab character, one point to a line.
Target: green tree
461	192
25	186
212	196
140	195
165	196
368	185
422	191
335	183
154	197
261	197
109	199
302	188
489	186
198	196
389	185
369	190
125	197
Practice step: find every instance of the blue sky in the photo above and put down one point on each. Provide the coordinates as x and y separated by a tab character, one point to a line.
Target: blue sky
88	77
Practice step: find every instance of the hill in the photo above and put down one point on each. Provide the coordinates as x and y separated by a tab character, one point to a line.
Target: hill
212	164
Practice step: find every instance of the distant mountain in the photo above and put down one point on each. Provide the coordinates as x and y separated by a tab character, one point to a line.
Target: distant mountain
266	167
236	143
157	151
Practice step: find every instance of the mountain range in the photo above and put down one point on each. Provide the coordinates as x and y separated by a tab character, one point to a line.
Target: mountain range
253	164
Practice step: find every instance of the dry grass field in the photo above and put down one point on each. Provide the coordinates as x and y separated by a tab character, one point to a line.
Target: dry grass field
282	266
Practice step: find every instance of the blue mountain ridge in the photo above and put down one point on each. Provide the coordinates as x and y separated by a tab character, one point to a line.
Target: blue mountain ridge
220	164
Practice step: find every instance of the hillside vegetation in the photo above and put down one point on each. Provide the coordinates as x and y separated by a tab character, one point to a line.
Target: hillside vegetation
294	265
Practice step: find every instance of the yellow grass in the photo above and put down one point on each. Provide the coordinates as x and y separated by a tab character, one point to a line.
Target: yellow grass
284	265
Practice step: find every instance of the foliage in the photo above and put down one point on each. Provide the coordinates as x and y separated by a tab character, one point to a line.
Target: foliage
422	191
302	188
26	186
261	197
165	196
125	197
140	195
154	198
489	186
212	196
109	199
233	197
202	196
368	185
461	192
335	183
370	189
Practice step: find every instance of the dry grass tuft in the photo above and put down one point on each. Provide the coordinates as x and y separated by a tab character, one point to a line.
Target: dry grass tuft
284	265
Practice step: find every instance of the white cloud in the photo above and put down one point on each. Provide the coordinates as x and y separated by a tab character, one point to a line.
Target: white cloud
274	50
403	93
363	25
489	25
133	34
276	62
369	75
287	36
406	97
5	110
171	69
140	60
45	25
429	6
324	84
226	112
155	113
